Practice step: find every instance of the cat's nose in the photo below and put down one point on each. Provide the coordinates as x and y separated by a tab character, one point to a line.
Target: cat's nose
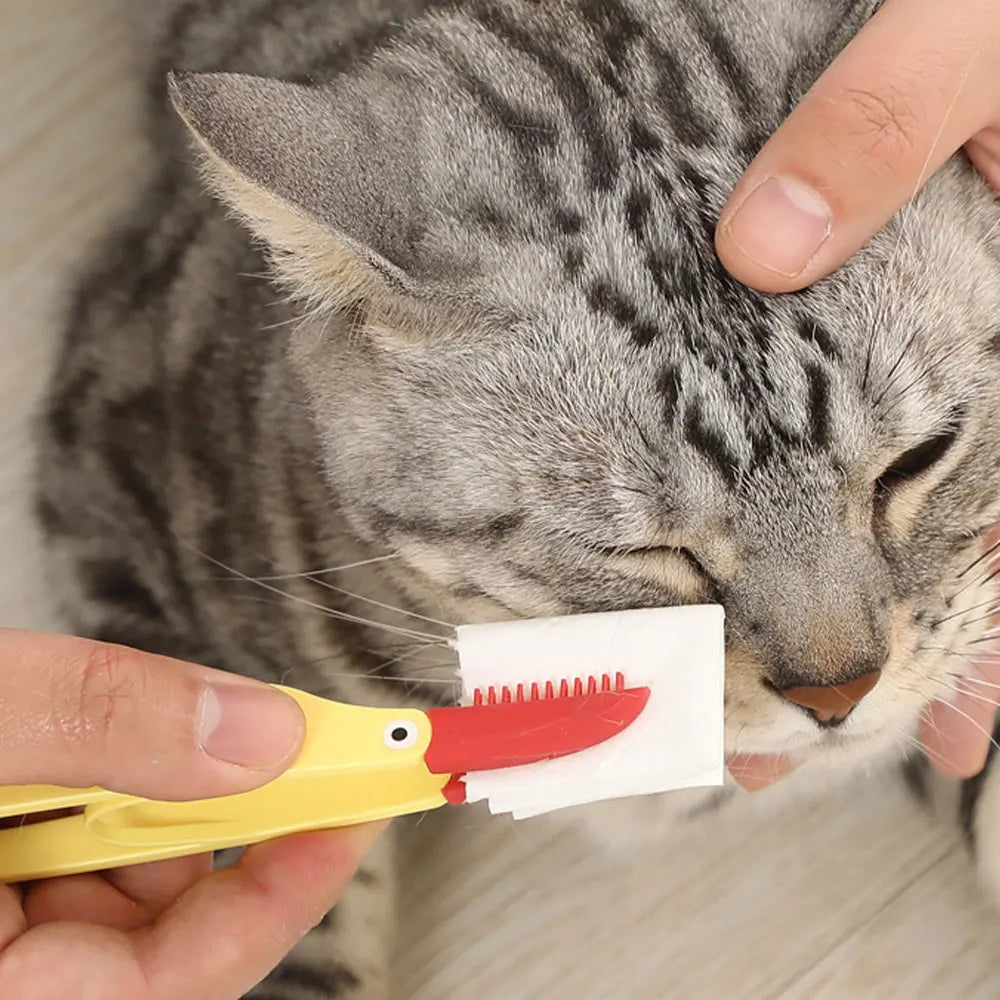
831	704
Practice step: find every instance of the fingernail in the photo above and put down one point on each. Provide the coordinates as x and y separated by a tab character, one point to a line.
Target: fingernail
780	225
250	726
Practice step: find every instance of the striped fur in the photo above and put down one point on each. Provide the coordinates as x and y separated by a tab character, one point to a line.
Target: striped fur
498	355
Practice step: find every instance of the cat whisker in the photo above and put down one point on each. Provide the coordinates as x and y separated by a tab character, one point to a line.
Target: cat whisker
955	689
981	683
891	376
412	647
249	599
646	460
974	660
925	372
417	680
993	637
984	555
394	679
736	737
991	573
964	611
991	232
908	741
392	661
290	321
330	612
947	650
315	572
976	725
869	355
385	607
985	616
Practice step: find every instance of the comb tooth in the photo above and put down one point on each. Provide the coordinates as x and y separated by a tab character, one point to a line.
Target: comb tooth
563	688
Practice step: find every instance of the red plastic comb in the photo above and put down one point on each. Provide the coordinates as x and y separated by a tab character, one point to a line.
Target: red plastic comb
515	726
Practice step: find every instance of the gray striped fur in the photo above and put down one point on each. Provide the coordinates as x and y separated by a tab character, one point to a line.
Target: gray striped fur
497	347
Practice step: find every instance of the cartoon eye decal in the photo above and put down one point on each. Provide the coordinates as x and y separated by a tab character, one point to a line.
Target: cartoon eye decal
400	735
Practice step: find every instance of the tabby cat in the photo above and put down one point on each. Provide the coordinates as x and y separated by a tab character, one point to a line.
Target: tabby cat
426	292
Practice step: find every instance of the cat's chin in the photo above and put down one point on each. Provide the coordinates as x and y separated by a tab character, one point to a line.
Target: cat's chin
834	748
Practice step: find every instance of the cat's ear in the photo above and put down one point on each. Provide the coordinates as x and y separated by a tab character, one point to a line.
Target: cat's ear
322	177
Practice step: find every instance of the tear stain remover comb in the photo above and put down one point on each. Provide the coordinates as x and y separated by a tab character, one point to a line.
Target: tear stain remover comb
360	764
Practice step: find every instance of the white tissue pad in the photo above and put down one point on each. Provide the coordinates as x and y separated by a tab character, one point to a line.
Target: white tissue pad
677	740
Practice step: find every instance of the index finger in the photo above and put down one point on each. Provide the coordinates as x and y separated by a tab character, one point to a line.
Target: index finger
915	83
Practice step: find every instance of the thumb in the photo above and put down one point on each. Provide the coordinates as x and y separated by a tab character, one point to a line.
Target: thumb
80	713
914	85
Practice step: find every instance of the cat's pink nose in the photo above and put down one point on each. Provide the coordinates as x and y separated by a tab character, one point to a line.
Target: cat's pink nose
833	703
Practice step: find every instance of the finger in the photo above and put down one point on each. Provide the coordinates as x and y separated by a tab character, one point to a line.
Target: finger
81	961
126	899
756	771
957	734
910	89
234	927
81	713
12	920
984	151
158	885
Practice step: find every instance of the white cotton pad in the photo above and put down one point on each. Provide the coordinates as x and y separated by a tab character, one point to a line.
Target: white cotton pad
677	740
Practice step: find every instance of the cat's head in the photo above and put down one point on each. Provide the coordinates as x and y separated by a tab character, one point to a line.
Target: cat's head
532	378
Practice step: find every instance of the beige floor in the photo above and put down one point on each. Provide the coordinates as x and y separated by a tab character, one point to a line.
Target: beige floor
857	896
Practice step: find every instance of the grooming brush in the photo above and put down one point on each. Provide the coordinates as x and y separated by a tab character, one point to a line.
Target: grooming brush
360	764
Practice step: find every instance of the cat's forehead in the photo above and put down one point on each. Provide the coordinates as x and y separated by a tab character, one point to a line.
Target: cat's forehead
637	269
656	346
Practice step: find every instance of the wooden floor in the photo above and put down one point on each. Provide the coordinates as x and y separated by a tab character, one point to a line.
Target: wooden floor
857	895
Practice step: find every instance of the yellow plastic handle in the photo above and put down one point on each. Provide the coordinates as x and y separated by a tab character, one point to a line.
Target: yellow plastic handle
348	772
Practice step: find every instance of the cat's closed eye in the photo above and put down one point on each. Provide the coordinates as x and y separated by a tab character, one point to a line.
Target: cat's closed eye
679	554
914	463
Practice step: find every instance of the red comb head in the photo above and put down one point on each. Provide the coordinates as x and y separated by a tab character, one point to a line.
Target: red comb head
509	727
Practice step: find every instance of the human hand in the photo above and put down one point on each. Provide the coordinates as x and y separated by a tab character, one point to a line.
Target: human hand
917	83
81	713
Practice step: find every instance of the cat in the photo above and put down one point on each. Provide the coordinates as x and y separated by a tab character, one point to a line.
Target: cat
426	293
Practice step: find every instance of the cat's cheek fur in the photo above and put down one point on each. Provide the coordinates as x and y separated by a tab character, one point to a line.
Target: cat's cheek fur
756	719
